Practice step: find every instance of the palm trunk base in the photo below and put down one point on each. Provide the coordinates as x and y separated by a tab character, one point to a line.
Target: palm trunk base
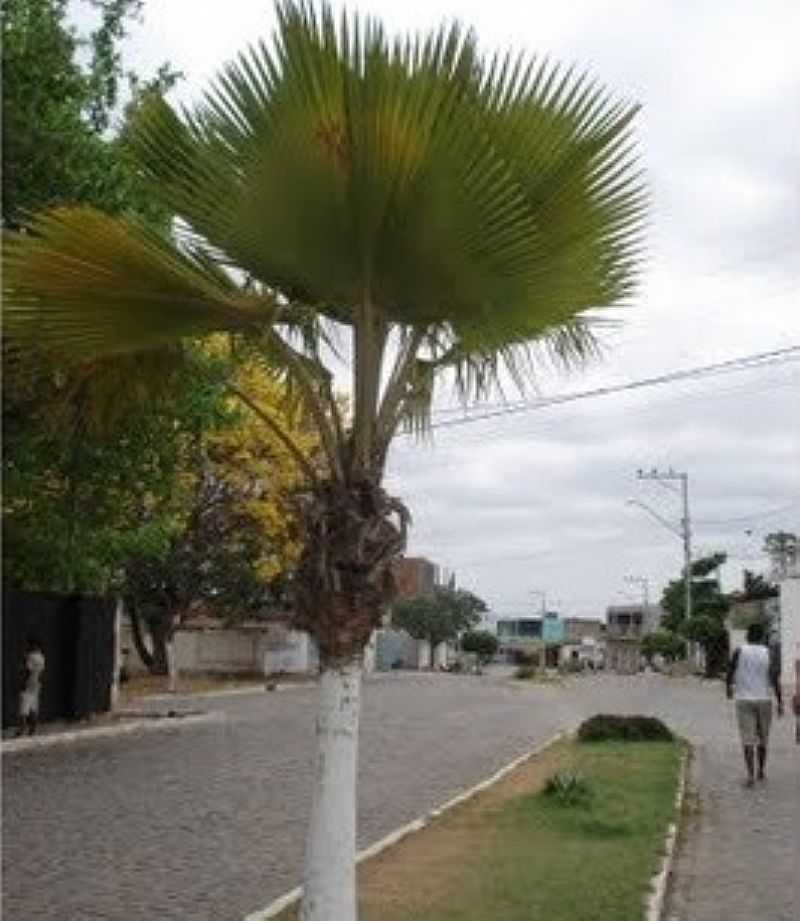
329	878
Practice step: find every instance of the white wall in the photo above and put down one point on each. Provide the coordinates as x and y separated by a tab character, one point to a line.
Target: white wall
423	654
441	655
272	649
370	649
790	628
294	652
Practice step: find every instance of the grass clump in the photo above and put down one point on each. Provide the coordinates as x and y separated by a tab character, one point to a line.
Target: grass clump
567	788
525	672
536	675
610	728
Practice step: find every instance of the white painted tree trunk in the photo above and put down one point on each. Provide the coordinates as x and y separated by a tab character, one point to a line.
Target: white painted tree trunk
329	878
172	665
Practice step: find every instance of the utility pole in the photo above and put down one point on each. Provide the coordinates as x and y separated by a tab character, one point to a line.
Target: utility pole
543	595
644	583
685	532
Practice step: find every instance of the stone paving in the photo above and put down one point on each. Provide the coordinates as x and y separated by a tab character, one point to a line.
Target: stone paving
740	850
208	821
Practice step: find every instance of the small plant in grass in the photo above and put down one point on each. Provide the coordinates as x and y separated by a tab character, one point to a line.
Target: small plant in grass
525	672
567	789
606	727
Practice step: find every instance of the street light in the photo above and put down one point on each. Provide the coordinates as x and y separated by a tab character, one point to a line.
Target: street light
685	530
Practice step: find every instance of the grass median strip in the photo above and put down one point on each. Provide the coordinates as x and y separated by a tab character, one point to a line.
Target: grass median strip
585	851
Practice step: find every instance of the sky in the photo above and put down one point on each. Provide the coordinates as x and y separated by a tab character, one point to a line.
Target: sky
537	503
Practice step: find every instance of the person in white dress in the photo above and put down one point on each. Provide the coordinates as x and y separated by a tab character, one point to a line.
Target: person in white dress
34	666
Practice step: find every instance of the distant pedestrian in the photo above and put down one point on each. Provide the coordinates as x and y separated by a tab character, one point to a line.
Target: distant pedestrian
33	670
796	701
753	676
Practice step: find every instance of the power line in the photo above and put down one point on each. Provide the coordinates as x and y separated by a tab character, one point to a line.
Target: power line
486	432
745	518
747	362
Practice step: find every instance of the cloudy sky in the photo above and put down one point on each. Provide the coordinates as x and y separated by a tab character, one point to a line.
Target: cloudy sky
537	501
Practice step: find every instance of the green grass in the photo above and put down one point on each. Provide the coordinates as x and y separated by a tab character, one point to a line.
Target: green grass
586	862
537	858
516	853
529	675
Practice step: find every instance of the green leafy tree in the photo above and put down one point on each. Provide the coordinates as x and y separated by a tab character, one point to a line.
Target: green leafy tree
663	643
440	616
450	216
710	606
756	587
86	486
208	564
481	642
61	94
235	551
85	451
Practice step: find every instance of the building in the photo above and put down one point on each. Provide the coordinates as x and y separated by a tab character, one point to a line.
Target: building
519	629
584	643
540	638
626	626
414	577
578	629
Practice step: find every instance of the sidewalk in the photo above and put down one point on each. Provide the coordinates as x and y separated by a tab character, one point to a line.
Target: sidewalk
141	713
103	726
739	853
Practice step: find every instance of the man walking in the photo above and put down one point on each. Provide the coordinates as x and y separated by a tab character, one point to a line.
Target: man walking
751	674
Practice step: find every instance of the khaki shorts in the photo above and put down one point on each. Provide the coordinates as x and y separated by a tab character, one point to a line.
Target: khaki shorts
754	718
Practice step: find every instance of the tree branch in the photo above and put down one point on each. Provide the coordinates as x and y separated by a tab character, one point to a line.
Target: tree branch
283	436
330	434
395	391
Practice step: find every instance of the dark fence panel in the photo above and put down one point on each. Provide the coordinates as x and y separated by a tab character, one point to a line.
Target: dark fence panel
77	637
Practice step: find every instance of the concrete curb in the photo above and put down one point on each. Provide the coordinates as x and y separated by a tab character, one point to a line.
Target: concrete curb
13	746
656	901
230	692
288	899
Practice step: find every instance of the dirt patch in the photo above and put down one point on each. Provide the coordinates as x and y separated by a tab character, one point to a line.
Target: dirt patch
405	879
149	685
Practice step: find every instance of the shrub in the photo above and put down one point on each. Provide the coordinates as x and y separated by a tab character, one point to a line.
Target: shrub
525	672
567	789
482	643
606	727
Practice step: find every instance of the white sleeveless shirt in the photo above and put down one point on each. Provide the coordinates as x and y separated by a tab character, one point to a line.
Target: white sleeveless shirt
752	673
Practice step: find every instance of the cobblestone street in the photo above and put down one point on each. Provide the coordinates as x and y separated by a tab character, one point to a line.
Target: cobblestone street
208	821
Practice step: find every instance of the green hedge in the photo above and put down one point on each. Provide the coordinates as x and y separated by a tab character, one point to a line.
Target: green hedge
606	727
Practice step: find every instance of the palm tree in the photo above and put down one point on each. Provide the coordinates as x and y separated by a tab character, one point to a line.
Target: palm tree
405	204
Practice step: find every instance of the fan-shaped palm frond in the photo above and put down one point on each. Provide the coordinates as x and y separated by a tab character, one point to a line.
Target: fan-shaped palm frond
494	197
87	284
472	205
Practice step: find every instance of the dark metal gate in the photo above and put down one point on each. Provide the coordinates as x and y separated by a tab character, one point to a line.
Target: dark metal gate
76	634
